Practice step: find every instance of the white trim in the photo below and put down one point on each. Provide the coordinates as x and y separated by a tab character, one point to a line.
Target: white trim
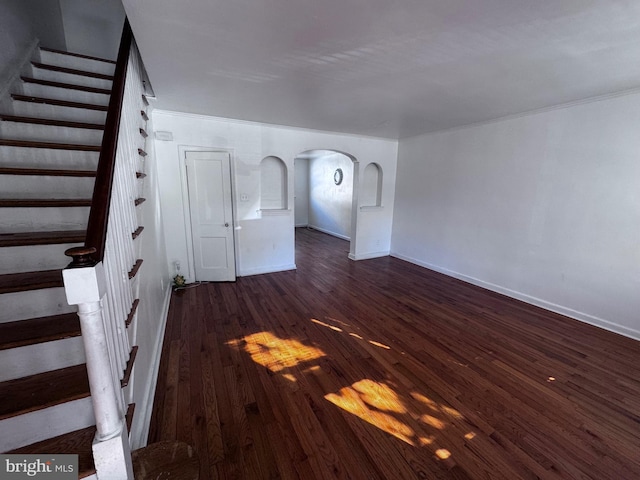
528	113
139	436
272	212
371	208
566	311
367	256
329	232
302	225
272	125
259	271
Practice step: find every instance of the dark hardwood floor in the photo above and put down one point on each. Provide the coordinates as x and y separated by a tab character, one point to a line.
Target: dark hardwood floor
380	369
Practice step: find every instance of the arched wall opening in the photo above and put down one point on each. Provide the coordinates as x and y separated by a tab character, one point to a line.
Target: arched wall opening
273	184
326	192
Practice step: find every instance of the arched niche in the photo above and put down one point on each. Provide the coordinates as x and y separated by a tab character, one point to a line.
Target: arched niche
371	192
273	184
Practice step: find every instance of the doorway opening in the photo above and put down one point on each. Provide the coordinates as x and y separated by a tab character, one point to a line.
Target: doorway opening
326	193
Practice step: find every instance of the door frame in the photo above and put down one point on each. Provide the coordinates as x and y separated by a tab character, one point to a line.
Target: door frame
182	151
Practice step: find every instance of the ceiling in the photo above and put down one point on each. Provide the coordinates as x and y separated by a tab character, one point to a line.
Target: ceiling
386	68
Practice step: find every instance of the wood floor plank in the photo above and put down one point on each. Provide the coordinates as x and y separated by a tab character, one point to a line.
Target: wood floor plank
382	369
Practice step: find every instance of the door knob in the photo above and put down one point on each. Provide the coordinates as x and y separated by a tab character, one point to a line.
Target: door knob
226	224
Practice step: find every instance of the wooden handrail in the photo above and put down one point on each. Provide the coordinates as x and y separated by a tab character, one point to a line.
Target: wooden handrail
99	214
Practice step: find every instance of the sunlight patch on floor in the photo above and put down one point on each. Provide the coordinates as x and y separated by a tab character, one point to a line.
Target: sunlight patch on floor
338	329
410	419
432	421
350	400
443	453
436	407
332	327
276	353
379	395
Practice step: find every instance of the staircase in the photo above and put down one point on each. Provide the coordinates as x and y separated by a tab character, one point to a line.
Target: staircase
50	143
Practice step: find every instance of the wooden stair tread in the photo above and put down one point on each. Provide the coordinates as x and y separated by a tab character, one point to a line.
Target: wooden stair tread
38	330
43	390
79	55
54	237
45	202
50	121
47	172
137	233
129	367
59	103
132	314
78	442
22	282
72	71
50	145
68	86
134	270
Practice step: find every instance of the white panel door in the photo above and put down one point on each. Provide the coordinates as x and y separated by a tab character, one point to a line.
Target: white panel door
209	181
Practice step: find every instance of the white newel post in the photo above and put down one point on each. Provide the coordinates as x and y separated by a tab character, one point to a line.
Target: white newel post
85	286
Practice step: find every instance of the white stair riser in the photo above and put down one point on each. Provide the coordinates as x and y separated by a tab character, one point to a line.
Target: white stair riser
34	304
23	219
45	91
49	133
42	110
31	186
46	423
54	76
47	158
42	357
78	63
34	258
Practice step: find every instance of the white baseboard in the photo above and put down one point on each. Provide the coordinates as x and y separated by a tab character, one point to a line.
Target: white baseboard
259	271
139	436
539	302
366	256
302	225
329	232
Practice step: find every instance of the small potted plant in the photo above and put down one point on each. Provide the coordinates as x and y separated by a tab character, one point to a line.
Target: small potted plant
179	282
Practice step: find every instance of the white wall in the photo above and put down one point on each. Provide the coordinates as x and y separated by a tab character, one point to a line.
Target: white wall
330	205
301	194
265	242
21	24
544	207
93	27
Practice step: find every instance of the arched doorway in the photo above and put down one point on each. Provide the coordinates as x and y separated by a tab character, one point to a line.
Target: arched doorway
326	193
